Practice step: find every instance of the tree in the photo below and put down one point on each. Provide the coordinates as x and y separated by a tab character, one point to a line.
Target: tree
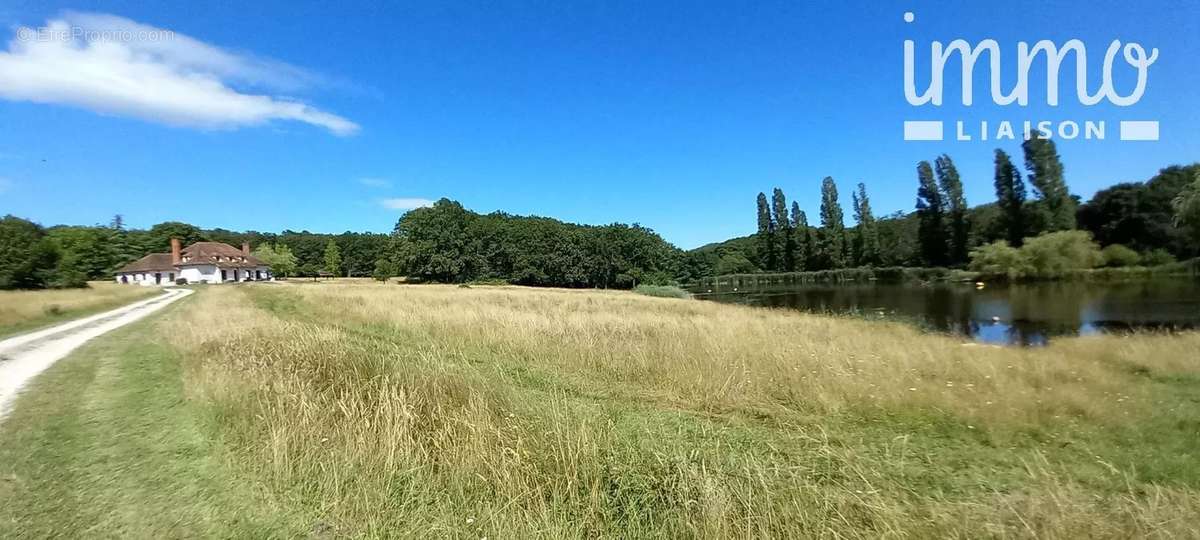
384	270
931	235
1142	215
898	240
1010	196
783	227
1187	207
333	258
28	260
448	243
833	229
867	243
766	235
158	238
955	205
285	261
86	252
309	270
803	235
279	258
1055	204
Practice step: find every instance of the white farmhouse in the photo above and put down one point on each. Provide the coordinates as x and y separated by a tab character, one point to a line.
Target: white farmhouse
202	262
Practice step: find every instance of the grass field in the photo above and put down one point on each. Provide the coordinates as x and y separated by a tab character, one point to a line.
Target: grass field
22	311
381	410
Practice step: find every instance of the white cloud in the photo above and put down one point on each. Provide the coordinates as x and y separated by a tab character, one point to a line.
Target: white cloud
116	66
404	203
375	182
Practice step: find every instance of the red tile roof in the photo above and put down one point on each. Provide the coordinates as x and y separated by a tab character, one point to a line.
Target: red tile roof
150	263
216	253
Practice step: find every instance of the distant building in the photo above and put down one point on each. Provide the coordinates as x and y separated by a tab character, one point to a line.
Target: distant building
202	262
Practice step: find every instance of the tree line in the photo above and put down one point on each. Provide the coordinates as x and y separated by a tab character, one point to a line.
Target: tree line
442	243
1146	223
1148	218
448	243
32	256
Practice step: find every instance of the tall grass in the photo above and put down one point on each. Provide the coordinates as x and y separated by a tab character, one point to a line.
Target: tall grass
25	310
510	412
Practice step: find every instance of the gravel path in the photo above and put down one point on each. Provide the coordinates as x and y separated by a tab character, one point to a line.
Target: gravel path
23	357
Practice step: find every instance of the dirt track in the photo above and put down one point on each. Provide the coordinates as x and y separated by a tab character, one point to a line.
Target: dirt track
23	357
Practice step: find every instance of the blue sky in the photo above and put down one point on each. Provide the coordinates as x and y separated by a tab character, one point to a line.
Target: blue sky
670	114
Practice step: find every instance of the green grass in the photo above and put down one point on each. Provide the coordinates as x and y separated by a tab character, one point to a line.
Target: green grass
105	444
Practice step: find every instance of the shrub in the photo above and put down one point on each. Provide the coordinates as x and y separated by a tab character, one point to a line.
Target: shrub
181	281
998	259
1117	255
662	291
1054	254
1157	257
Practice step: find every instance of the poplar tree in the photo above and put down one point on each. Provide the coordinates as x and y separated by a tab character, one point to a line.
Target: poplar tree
868	235
333	258
833	230
766	234
931	228
955	205
1055	205
804	238
783	228
1010	196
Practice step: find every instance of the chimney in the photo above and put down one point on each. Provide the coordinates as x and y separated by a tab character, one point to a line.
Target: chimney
246	248
175	251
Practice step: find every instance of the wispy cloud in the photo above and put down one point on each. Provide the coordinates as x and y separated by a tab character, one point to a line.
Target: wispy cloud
375	182
405	203
112	65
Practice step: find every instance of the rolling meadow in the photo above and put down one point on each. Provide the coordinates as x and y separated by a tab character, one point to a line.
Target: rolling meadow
361	409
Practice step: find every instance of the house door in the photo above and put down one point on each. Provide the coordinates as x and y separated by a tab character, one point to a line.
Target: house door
157	278
223	276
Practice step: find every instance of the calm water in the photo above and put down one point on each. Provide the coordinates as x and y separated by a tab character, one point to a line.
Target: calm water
1029	314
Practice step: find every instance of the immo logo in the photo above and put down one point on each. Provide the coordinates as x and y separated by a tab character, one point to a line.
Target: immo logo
1133	55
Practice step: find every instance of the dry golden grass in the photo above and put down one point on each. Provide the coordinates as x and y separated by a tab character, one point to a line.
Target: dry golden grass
511	412
24	310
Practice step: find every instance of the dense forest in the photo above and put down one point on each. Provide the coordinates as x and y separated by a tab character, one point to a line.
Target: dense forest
1137	223
448	243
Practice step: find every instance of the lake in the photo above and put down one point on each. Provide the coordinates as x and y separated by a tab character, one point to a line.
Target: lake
1018	314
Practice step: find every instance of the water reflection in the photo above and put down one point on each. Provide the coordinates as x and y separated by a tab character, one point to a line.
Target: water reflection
1024	314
